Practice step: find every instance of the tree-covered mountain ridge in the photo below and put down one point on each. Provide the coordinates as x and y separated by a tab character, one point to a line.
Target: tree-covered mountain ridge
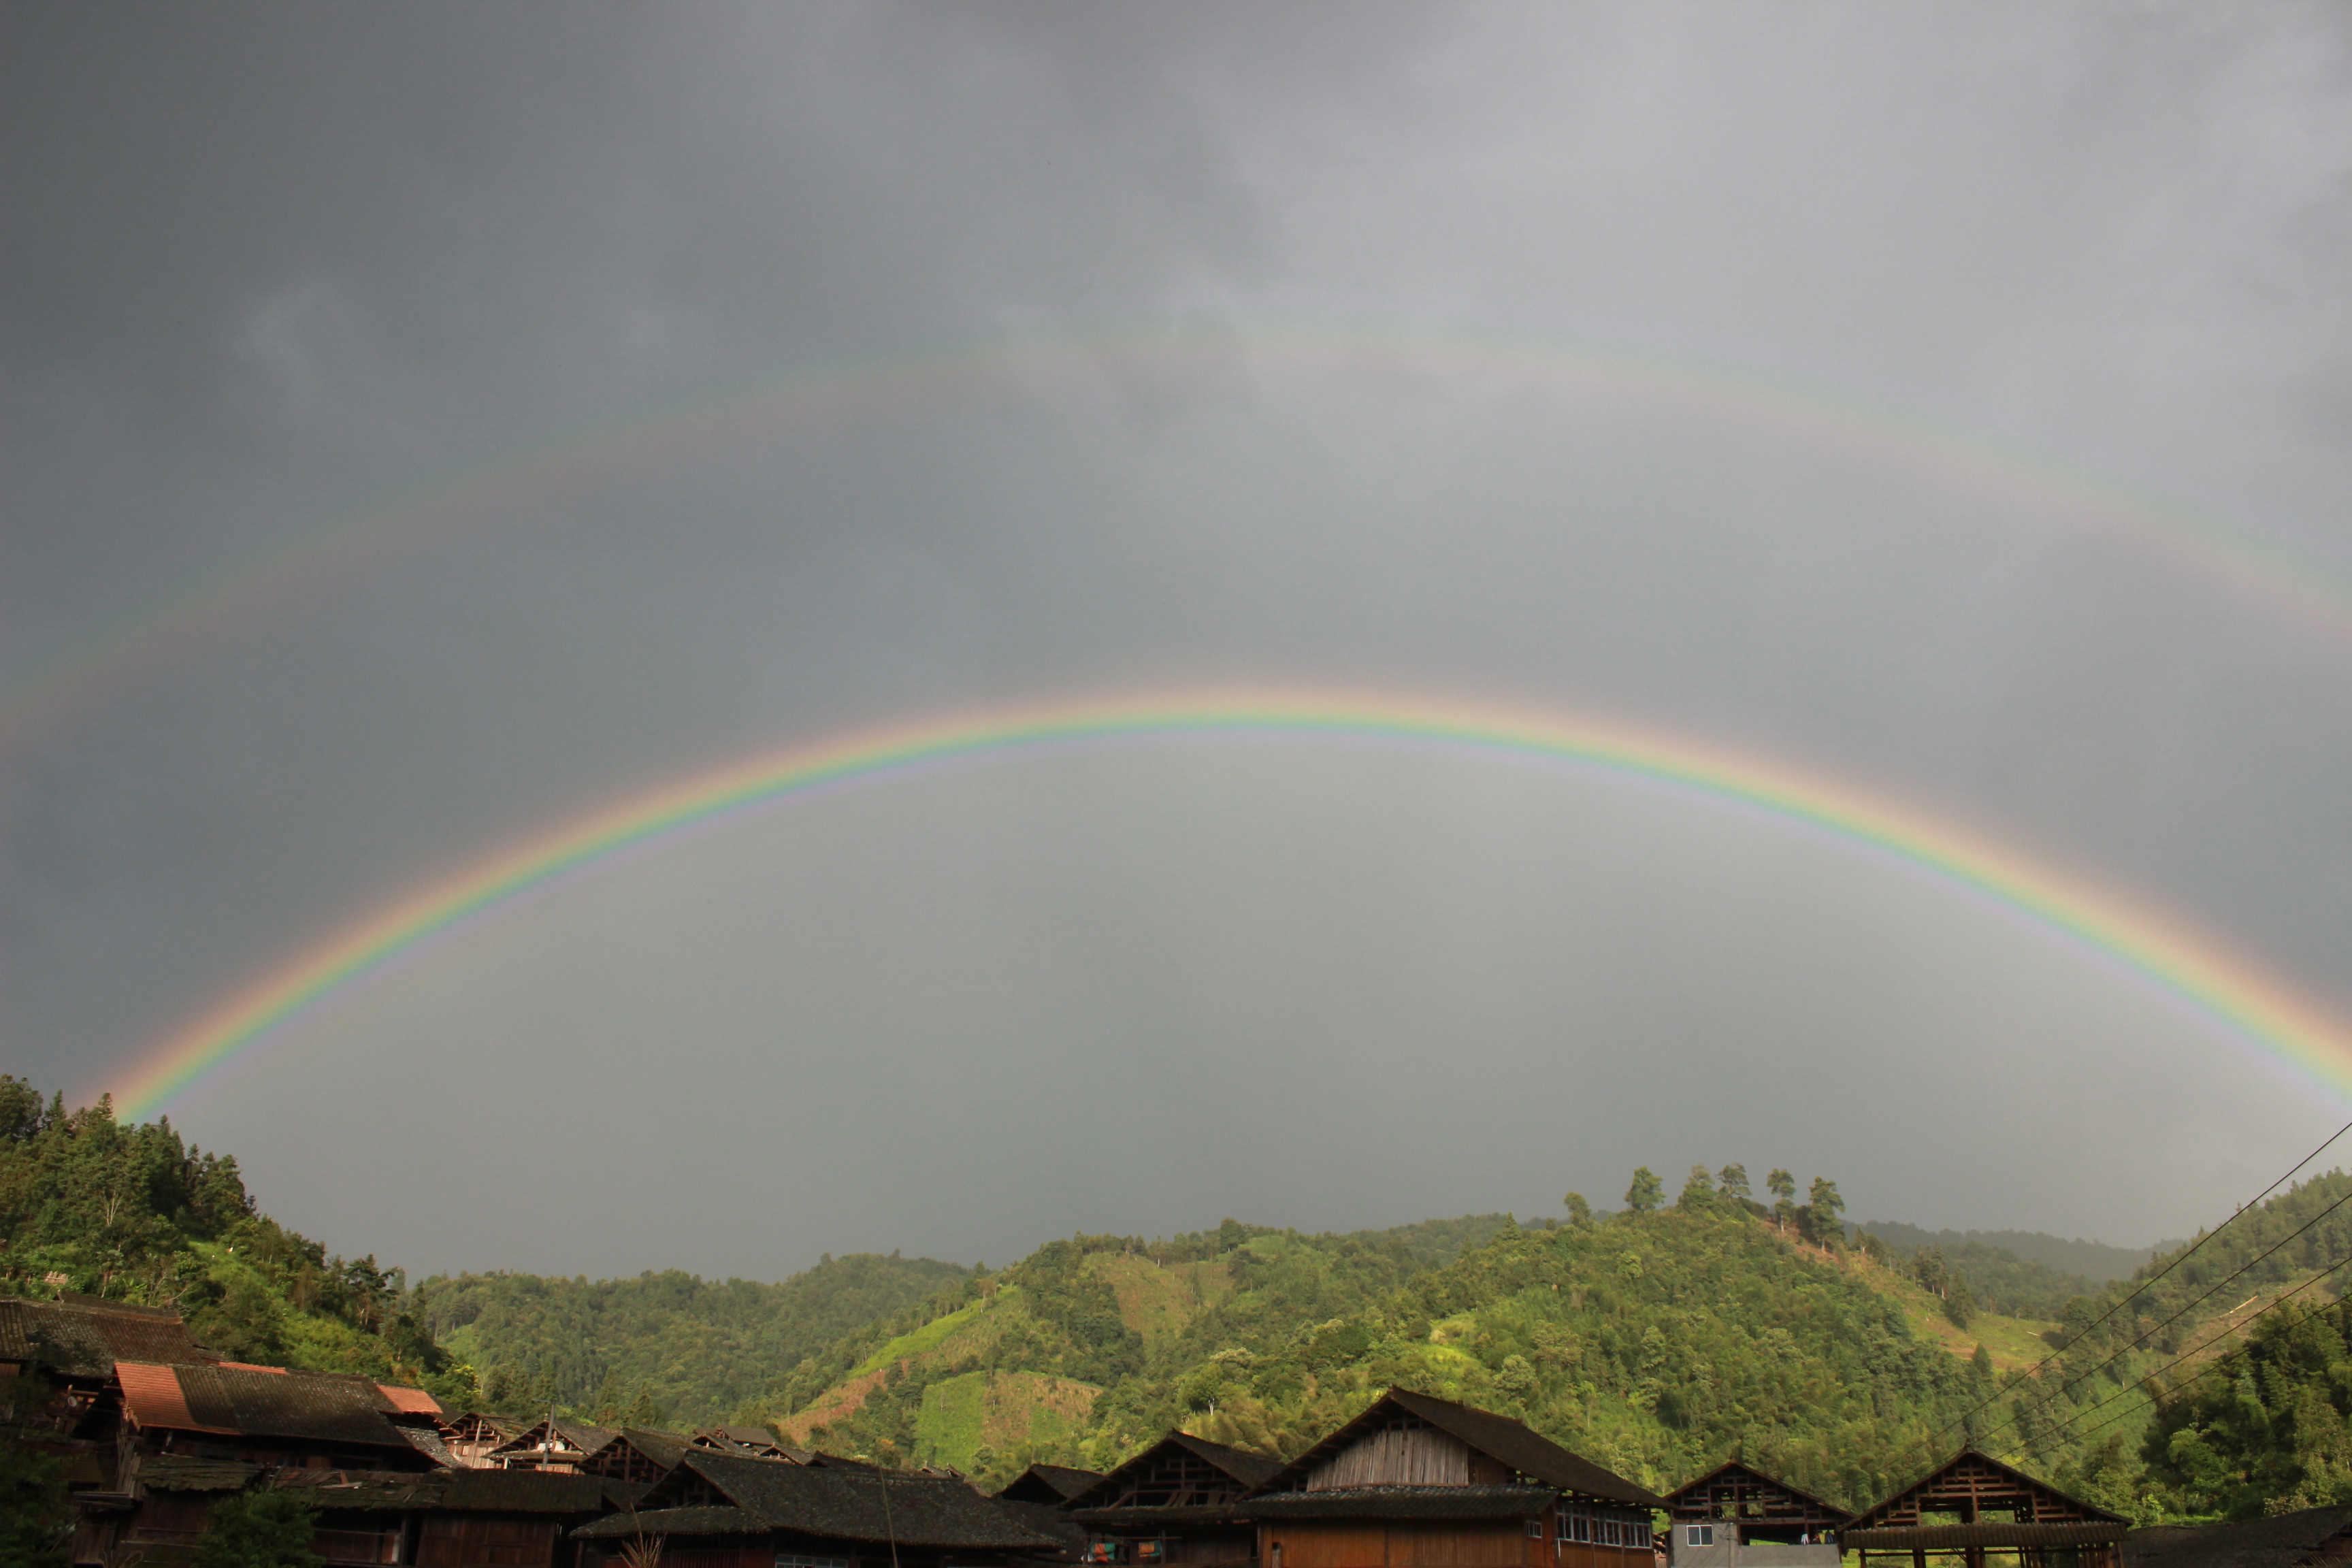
1659	1340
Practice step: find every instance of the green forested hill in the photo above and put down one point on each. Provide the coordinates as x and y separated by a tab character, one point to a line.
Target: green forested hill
1658	1339
1656	1342
661	1348
134	1213
2092	1260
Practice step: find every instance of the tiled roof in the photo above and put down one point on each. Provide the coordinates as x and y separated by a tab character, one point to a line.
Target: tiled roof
1401	1502
453	1491
2281	1542
677	1521
261	1402
1049	1483
415	1401
152	1396
855	1504
84	1336
1245	1468
1497	1437
664	1449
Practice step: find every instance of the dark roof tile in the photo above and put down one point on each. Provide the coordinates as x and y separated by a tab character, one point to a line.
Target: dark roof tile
850	1504
84	1336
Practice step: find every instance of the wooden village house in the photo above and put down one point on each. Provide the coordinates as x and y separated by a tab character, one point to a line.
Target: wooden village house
1979	1510
270	1416
1049	1486
471	1437
729	1510
1736	1515
1176	1501
1417	1482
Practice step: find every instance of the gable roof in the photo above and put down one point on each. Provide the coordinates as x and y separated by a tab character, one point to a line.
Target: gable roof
1731	1469
84	1336
1511	1443
1242	1470
235	1400
1050	1484
574	1434
1899	1507
766	1495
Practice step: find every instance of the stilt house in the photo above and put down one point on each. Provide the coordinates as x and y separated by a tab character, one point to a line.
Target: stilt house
726	1510
1736	1514
1977	1507
1177	1501
1417	1482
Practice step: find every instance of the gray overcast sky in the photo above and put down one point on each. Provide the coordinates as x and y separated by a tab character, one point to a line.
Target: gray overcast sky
1717	367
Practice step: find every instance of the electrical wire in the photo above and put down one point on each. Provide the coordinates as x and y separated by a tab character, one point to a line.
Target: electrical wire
2141	1382
2243	1209
2082	1377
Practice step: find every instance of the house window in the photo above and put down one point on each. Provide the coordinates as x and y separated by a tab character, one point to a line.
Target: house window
1699	1535
1584	1527
1535	1529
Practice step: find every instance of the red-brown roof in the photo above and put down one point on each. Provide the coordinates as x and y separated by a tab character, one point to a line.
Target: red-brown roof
151	1398
266	1402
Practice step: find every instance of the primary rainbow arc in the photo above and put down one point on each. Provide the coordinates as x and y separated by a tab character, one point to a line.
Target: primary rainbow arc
2233	996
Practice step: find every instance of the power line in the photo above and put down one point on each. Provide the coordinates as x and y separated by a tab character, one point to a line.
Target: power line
2082	1377
2210	1368
2243	1209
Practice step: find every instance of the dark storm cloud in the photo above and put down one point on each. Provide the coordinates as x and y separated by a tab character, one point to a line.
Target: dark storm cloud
268	264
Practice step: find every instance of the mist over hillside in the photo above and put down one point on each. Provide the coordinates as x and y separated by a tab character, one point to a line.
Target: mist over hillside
2095	1260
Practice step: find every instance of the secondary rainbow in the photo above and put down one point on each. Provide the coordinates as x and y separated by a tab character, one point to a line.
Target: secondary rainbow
2231	995
240	593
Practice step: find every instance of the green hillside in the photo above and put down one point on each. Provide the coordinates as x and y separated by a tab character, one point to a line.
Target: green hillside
662	1348
1658	1339
135	1214
2092	1261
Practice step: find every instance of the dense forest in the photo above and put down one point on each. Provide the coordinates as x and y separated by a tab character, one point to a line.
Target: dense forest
134	1213
1658	1339
2076	1259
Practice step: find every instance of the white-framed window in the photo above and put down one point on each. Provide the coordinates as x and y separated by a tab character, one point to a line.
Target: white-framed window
1535	1529
1699	1535
1584	1527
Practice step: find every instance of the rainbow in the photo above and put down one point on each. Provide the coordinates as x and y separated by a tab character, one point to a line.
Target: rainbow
2191	970
237	595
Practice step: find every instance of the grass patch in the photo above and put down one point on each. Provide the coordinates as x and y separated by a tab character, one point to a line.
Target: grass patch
929	1337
